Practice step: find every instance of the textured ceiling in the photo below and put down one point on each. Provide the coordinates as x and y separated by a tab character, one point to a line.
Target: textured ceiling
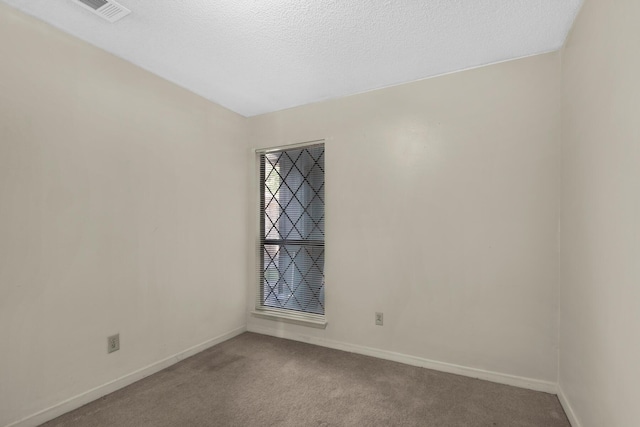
258	56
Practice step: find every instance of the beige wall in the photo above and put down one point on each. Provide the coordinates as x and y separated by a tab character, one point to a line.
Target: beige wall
442	210
122	209
600	249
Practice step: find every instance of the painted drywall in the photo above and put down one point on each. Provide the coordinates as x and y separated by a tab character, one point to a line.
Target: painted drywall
122	209
600	223
442	213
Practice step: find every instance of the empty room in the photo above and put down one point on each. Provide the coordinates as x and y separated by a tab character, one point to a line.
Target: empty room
298	213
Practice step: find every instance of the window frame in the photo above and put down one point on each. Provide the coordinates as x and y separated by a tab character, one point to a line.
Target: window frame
260	310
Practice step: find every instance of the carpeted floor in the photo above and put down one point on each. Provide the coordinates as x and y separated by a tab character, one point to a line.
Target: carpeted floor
255	380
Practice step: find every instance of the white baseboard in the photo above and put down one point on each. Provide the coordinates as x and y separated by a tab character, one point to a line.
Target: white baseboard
104	389
496	377
568	409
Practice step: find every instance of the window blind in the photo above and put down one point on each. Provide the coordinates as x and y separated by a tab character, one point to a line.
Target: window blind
291	251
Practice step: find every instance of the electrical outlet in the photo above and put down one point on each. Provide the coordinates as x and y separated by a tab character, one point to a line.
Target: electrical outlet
113	343
379	319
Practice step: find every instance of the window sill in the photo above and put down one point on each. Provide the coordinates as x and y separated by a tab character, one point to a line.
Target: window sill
313	320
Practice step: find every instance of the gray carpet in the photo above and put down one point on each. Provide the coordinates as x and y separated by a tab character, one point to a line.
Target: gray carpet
255	380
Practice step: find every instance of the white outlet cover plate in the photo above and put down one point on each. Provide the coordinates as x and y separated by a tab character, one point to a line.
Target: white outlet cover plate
113	343
379	319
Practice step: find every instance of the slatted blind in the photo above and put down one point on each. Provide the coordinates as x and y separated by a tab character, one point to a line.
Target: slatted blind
291	267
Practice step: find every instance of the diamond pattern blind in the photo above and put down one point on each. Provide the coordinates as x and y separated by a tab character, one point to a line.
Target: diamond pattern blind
292	230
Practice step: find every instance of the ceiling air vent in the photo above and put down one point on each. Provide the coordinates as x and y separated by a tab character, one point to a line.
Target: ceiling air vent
107	9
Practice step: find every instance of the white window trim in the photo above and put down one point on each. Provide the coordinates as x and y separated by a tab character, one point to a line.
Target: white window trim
270	313
291	316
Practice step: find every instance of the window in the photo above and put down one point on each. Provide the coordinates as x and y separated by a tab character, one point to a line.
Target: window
292	231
